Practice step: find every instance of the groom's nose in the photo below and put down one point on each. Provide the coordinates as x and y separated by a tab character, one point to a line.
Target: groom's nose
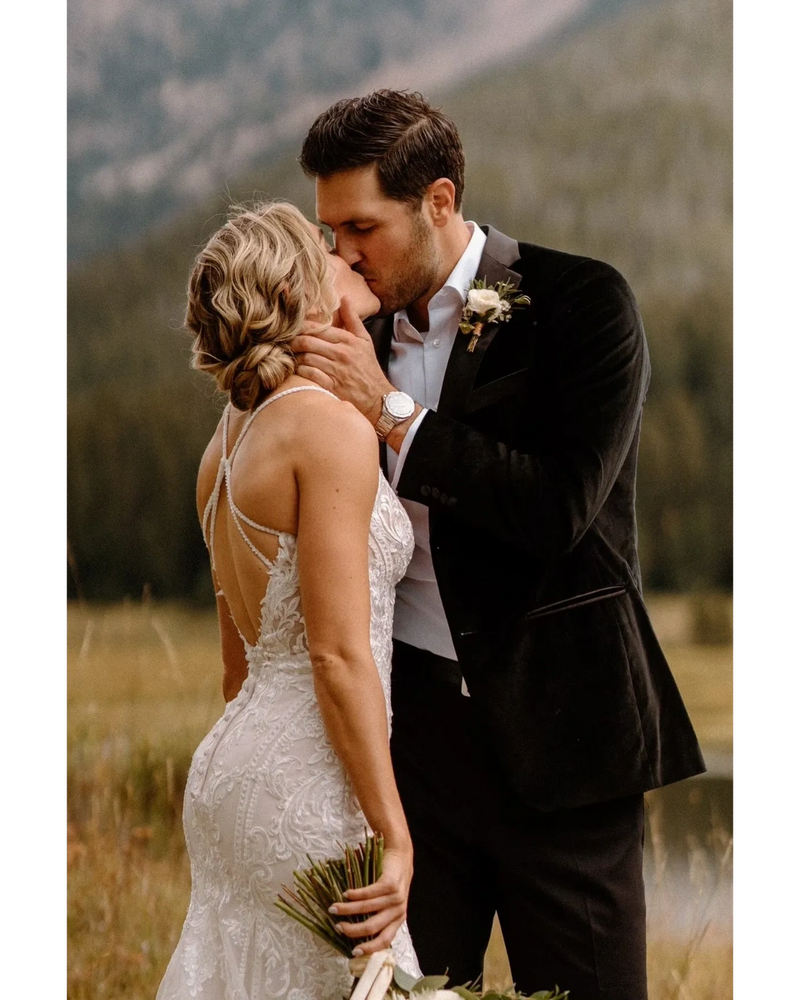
347	250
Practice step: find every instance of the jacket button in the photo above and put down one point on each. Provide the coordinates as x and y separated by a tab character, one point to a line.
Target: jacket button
435	493
443	497
451	501
425	491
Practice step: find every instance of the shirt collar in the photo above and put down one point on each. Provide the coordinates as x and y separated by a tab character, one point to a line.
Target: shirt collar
467	266
459	279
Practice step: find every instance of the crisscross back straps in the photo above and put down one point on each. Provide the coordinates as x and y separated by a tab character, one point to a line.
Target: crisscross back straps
224	475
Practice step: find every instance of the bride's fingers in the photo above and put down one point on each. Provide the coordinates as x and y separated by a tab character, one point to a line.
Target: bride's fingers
365	905
376	923
383	940
380	888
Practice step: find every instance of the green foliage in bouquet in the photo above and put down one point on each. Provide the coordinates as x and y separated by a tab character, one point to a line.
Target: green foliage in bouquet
326	882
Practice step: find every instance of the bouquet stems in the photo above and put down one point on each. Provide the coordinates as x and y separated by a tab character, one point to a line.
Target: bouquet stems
324	883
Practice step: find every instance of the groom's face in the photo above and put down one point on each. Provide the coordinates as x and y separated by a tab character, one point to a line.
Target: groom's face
389	242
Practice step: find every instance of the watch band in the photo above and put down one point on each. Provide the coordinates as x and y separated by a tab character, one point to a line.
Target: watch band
396	406
385	423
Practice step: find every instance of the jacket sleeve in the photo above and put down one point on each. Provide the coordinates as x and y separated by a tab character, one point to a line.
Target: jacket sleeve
546	500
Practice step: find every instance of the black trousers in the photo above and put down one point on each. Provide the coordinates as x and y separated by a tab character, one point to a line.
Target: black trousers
567	886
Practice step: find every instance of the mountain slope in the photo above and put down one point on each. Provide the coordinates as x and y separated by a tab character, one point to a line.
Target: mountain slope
615	142
168	101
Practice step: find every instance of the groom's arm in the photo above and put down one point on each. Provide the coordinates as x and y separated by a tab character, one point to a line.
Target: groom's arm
546	501
542	501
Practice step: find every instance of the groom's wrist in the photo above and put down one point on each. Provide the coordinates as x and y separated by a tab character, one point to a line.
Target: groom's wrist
393	408
396	435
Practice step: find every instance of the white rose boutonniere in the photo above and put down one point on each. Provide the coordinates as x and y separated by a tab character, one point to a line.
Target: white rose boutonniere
488	304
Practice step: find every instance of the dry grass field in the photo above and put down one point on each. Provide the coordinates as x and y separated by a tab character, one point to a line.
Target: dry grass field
144	687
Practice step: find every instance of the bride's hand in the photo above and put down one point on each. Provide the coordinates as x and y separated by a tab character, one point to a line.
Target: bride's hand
386	900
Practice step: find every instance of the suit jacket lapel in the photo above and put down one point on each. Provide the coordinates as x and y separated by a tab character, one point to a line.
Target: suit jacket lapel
380	330
499	253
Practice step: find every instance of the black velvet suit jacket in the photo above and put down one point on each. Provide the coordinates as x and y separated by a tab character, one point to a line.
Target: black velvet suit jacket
528	468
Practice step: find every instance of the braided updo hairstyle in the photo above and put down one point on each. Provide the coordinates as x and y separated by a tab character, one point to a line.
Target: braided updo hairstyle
250	291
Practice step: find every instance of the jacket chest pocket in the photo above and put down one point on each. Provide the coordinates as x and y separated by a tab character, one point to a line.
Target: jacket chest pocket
589	597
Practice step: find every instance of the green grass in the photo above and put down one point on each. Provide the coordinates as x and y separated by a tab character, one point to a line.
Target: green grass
144	687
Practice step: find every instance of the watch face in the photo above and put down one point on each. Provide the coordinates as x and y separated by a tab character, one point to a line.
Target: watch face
399	405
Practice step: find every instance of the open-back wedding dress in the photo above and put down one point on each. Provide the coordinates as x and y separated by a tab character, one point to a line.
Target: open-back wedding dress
265	787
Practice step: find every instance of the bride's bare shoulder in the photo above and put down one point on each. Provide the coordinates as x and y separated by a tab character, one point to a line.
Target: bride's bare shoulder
327	426
209	464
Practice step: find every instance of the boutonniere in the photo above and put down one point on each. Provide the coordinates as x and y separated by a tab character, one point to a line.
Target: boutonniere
488	304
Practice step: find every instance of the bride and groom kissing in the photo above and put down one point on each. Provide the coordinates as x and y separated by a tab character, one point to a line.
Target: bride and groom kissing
431	533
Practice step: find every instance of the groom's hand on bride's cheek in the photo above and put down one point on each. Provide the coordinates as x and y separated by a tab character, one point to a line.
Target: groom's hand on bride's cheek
342	360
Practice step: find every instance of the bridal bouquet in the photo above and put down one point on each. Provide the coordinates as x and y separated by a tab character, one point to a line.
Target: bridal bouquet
376	976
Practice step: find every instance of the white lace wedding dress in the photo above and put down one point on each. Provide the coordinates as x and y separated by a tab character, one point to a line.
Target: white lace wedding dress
265	787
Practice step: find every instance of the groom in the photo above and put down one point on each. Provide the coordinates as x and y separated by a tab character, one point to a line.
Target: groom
532	704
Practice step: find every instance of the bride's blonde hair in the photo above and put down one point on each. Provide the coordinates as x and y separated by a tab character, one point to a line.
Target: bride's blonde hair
251	289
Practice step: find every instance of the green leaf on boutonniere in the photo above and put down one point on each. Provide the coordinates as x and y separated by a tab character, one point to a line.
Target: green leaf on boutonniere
462	991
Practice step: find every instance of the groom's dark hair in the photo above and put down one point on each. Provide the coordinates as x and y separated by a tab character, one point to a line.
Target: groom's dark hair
410	143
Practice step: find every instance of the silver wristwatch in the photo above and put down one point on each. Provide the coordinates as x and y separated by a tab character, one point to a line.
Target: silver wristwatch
397	406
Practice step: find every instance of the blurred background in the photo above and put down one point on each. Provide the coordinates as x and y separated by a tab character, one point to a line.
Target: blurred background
601	127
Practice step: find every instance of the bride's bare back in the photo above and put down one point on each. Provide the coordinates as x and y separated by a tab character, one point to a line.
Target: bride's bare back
263	488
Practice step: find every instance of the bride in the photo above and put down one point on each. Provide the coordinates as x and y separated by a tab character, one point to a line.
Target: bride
307	542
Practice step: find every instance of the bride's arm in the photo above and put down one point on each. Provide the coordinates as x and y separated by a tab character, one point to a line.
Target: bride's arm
337	480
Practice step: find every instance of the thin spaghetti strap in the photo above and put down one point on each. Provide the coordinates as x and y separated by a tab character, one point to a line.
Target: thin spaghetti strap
259	408
210	511
225	421
299	388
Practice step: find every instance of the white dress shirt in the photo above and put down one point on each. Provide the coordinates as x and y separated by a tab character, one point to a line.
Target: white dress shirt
417	365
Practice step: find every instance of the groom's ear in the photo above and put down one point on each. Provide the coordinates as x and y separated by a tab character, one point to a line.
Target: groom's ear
440	201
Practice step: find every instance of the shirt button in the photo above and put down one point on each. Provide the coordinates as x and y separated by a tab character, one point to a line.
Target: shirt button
437	341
